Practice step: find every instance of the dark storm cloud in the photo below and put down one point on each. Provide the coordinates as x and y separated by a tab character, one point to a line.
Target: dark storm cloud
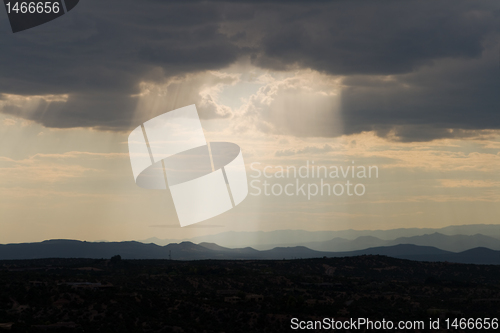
374	37
445	81
99	53
443	100
442	56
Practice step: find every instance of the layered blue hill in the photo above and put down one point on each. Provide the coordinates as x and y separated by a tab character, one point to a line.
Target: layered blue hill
191	251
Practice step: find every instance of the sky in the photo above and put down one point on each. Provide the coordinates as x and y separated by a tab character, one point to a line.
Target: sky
407	87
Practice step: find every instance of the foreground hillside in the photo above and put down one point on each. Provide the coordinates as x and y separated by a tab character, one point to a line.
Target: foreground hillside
76	295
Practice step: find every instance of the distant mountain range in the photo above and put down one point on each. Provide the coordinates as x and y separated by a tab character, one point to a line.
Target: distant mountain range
350	240
456	243
191	251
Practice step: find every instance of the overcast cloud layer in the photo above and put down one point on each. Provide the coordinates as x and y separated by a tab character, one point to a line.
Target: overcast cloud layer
412	70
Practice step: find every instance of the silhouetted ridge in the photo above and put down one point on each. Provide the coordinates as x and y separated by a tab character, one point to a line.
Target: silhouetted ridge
190	251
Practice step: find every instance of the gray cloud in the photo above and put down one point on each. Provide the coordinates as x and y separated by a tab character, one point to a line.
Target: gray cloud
367	37
306	150
442	59
446	99
100	52
194	226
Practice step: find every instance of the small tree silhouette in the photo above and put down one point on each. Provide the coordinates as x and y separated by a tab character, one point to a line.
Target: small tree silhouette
115	259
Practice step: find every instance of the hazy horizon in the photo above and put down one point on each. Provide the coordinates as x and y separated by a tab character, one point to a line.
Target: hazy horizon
386	234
